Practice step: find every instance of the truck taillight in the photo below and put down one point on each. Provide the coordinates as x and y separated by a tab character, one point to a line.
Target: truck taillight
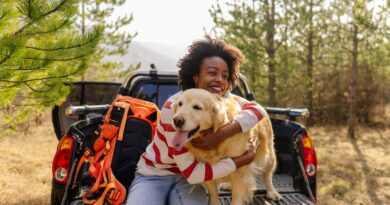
309	156
62	159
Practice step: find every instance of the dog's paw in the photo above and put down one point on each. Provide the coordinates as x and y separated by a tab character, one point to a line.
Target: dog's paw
225	186
274	195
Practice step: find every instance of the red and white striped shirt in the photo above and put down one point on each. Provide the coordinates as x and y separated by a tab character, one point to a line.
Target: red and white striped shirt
161	158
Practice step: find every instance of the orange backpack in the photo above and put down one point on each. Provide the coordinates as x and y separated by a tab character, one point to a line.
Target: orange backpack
106	186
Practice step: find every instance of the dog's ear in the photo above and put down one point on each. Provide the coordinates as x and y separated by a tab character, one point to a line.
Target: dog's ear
174	106
219	113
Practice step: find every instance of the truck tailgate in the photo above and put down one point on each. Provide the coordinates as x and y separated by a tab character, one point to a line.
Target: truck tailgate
283	184
261	199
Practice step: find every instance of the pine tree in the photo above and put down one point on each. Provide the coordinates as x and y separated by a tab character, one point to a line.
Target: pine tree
308	29
365	26
115	41
39	52
257	28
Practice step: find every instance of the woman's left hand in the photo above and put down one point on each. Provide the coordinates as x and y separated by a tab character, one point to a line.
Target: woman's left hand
207	139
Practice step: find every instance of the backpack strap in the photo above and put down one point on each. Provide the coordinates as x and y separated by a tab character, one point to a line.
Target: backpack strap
113	192
111	130
86	156
126	105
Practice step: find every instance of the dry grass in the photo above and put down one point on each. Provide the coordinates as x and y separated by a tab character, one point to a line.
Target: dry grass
350	172
353	171
25	164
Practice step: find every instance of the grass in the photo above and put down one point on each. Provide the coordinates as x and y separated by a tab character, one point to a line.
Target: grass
349	171
25	164
352	171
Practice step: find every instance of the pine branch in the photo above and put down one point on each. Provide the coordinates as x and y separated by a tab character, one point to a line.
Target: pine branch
3	15
65	47
57	59
5	58
33	89
47	84
29	9
19	32
8	87
66	21
44	78
37	67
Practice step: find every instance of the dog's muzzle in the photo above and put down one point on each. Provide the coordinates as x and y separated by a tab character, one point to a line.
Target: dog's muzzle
178	121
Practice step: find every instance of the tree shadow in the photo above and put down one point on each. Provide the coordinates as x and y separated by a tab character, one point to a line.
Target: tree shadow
370	181
384	139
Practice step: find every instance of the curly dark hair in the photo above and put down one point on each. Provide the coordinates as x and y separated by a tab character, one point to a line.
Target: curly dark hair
190	64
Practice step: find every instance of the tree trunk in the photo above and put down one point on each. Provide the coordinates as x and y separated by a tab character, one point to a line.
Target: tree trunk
310	64
253	79
270	49
353	84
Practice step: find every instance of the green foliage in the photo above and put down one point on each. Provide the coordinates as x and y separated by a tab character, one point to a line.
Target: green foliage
115	41
39	52
253	27
309	45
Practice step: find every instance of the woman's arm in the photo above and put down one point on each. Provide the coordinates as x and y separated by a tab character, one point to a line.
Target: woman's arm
197	172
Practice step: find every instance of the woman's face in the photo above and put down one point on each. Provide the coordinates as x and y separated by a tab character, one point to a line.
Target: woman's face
213	75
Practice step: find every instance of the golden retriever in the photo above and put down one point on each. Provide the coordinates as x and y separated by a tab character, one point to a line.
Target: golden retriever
200	110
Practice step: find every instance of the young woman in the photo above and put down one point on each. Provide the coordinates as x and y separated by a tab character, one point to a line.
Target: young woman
167	176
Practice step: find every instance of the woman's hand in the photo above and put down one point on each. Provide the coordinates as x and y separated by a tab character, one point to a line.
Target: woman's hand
208	139
249	155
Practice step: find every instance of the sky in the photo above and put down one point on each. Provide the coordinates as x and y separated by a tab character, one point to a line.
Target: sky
171	22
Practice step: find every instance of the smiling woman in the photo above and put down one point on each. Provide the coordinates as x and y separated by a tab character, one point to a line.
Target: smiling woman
172	175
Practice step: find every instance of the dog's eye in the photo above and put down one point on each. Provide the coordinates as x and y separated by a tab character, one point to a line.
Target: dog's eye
196	107
180	103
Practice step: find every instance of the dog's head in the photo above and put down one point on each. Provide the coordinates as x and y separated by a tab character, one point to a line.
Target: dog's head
196	110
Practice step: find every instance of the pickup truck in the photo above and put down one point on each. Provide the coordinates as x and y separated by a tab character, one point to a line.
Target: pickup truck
82	113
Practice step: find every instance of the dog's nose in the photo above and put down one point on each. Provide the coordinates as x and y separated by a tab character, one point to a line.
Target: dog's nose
178	121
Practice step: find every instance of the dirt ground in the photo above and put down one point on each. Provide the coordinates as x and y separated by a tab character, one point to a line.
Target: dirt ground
353	171
349	171
25	164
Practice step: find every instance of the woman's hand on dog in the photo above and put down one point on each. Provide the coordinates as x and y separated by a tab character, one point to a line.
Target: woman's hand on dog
208	139
249	155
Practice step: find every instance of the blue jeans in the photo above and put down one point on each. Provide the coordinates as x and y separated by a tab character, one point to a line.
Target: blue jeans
165	190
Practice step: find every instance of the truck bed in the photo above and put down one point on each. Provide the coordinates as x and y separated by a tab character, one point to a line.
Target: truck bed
283	184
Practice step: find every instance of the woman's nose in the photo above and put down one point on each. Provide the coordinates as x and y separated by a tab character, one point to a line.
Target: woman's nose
219	78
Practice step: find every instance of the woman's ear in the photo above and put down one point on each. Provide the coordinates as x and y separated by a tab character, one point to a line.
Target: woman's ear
195	79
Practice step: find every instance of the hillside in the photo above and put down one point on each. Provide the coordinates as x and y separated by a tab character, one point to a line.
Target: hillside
146	53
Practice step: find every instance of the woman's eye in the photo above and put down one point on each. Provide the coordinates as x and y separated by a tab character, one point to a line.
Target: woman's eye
197	107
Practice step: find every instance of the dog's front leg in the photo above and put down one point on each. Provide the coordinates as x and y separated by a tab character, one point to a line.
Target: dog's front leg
237	195
212	189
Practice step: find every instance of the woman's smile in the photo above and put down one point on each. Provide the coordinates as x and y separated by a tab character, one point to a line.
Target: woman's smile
213	75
